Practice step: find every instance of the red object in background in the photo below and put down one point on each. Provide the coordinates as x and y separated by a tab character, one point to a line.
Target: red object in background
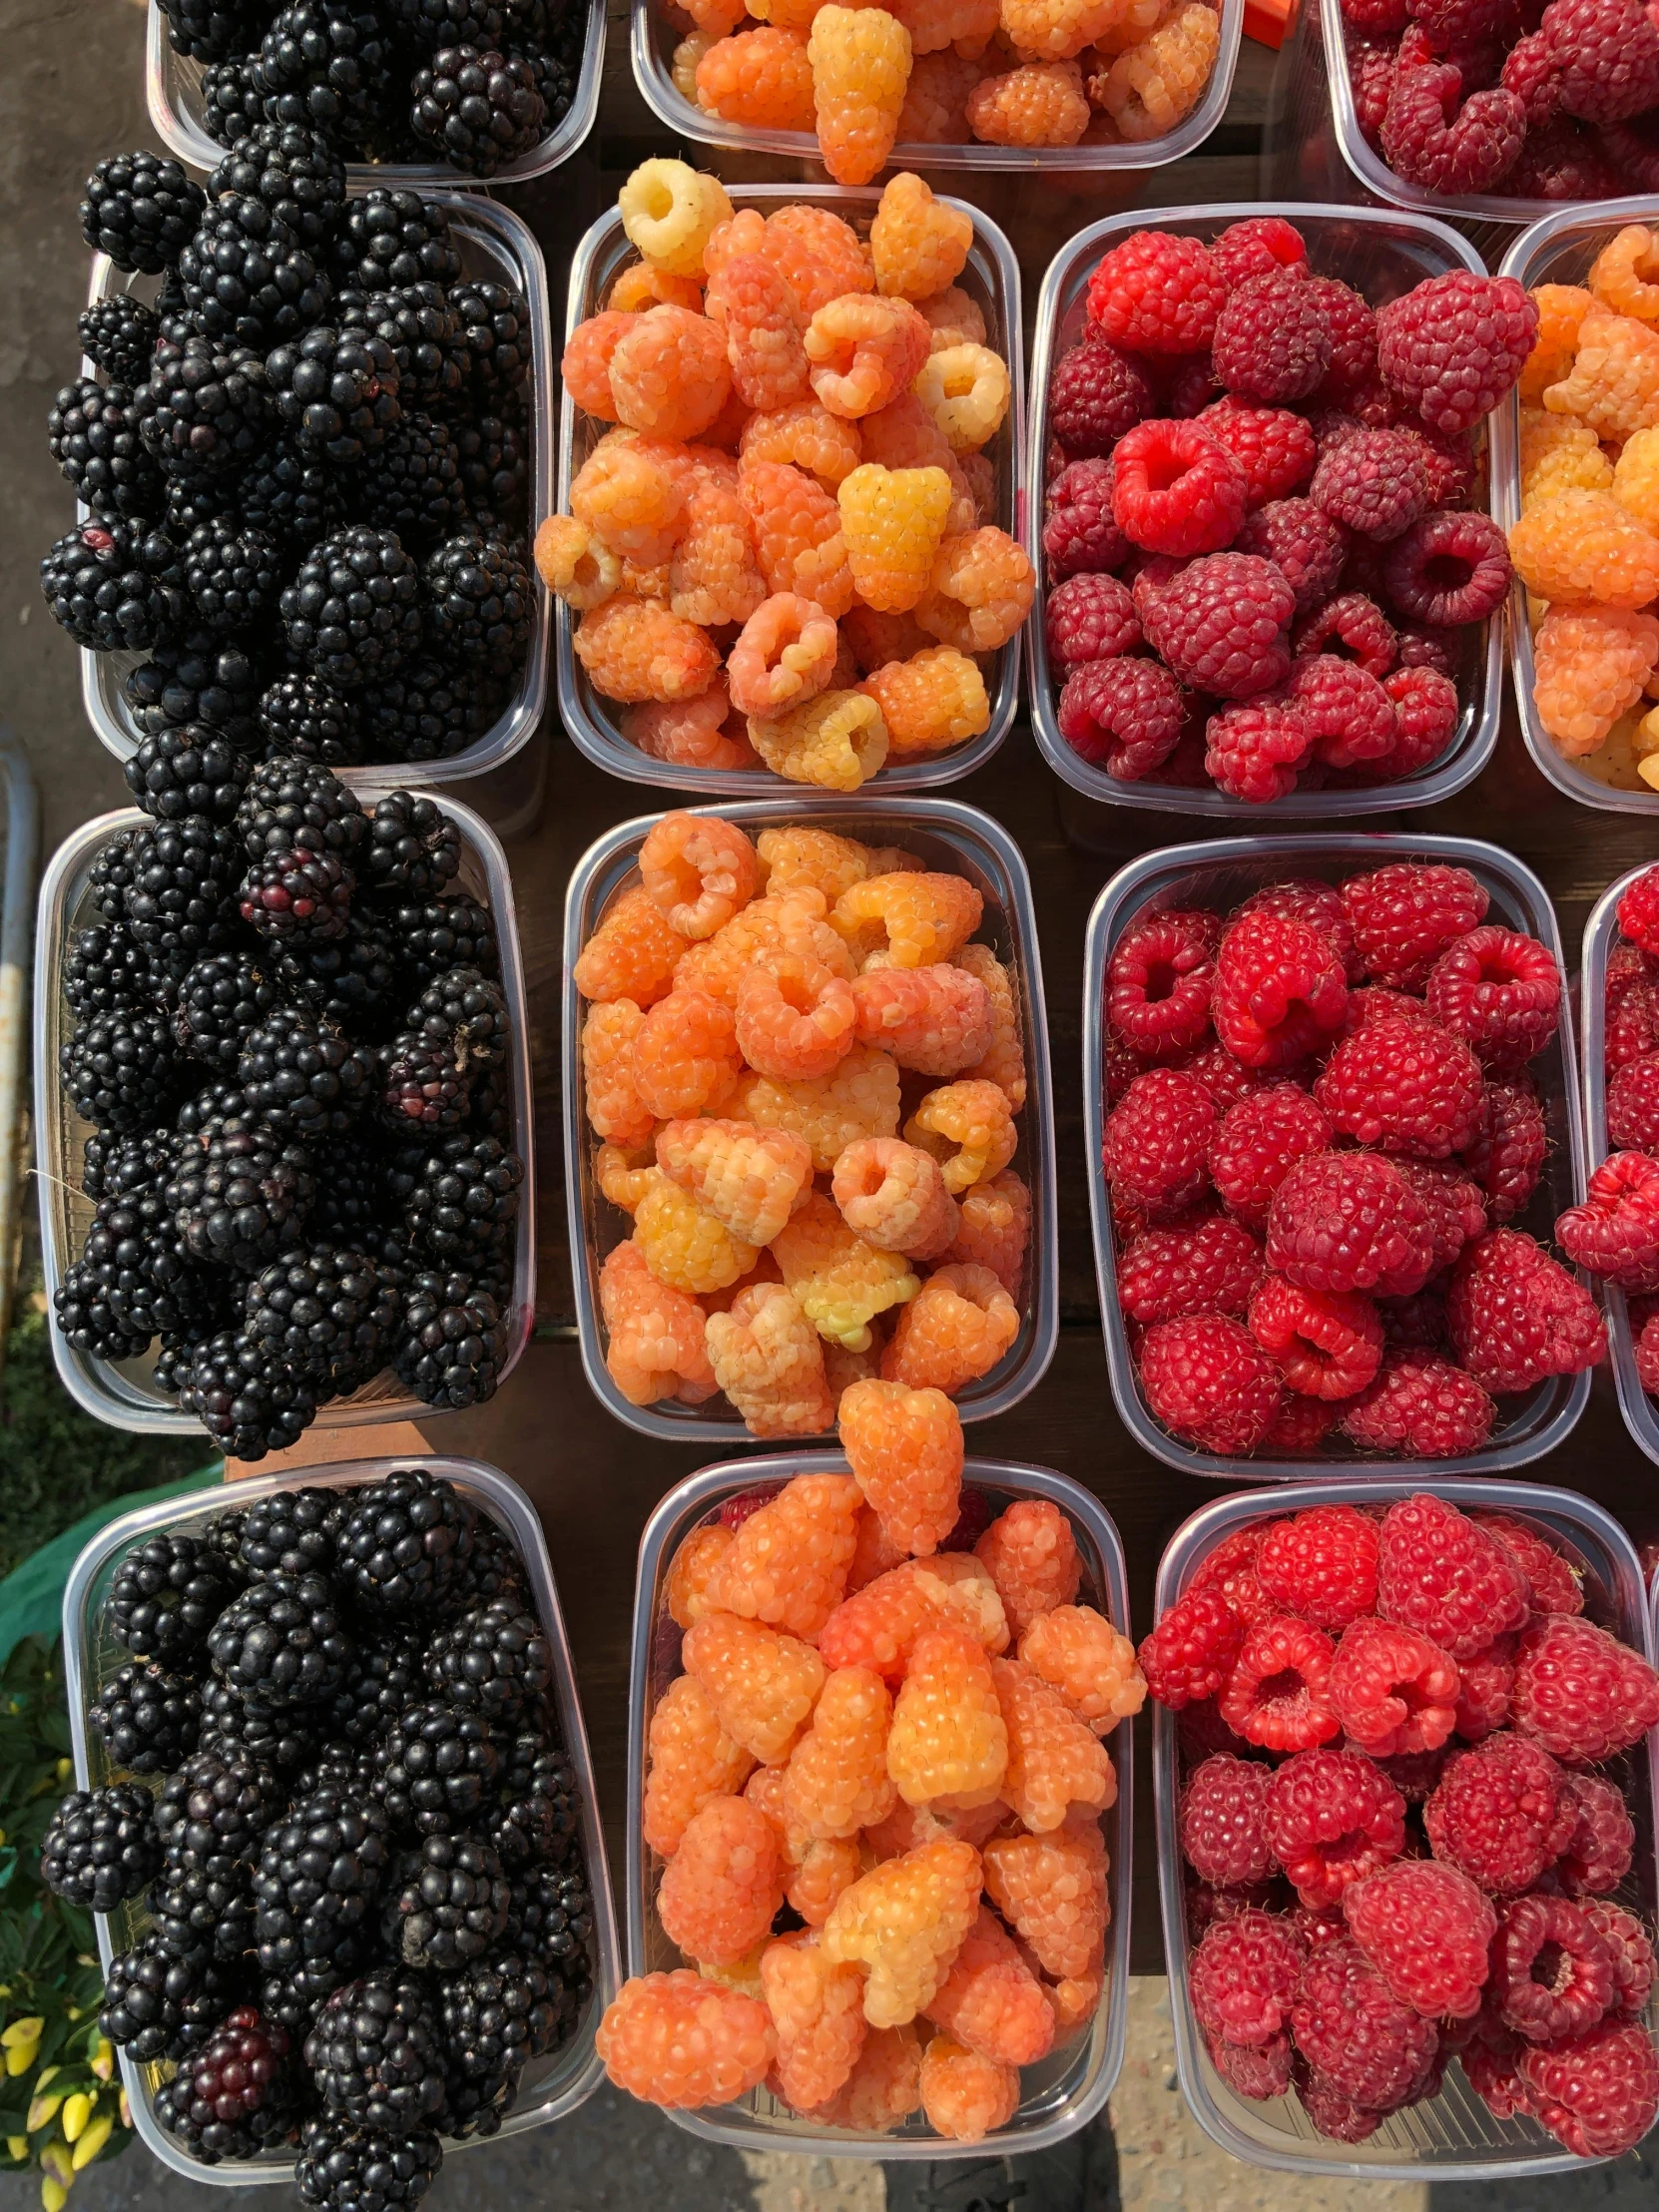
1268	21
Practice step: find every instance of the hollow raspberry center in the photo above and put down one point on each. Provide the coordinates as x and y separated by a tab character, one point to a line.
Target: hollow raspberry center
1284	1689
1553	1968
1446	571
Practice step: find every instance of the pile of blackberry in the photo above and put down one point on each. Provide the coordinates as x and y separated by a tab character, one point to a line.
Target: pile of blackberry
306	469
289	1036
357	1894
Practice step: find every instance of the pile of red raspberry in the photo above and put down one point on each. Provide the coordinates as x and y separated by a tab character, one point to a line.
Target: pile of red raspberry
1321	1130
1263	570
1398	1850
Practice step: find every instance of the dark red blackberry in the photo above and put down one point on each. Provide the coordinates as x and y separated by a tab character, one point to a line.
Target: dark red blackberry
466	1202
101	1846
117	336
231	102
248	1402
377	2052
316	1884
294	170
210	30
206	408
115	586
239	1194
166	1595
480	599
534	1819
445	1902
141	210
283	1642
494	1661
297	896
302	1076
236	2097
113	1165
424	1083
430	710
93	437
148	1718
103	970
497	2015
222	998
335	391
303	718
353	610
453	1343
352	978
476	109
551	1921
344	2168
495	466
133	1271
201	678
412	482
420	326
157	2005
118	1069
247	279
437	1769
187	769
291	494
326	64
382	1679
233	575
291	1532
495	323
330	1315
233	1728
403	1542
391	238
435	936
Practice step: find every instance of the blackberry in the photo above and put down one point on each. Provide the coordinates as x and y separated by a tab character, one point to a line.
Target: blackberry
377	2052
115	586
247	279
247	1404
380	1682
497	2015
86	1321
143	1277
239	1194
491	1111
233	574
297	896
481	599
495	323
352	978
164	1597
179	1348
236	1728
338	1767
437	1769
293	171
303	718
469	1008
214	1103
290	1532
335	391
344	2168
192	500
290	494
206	408
429	710
290	804
140	208
198	677
157	2005
424	1083
411	484
317	1884
113	1165
403	1542
353	610
534	1818
389	240
431	24
555	68
438	934
422	330
326	1314
176	904
176	326
231	102
222	998
453	1343
551	1921
445	1902
495	466
494	1661
118	1069
302	1076
204	1906
118	334
412	845
148	1718
93	437
104	968
466	1202
235	2097
325	64
208	30
494	1570
281	1641
187	769
100	1846
477	109
216	1807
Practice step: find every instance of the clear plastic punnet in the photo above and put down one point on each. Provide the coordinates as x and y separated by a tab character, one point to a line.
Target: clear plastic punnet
991	281
1382	254
954	839
1453	2137
1064	2091
1217	875
553	2086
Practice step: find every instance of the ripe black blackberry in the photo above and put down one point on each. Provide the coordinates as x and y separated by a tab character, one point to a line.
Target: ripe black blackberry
494	1570
198	677
166	1595
240	1192
203	1905
143	1275
403	1542
453	1343
235	2096
353	610
436	934
222	998
476	109
177	901
326	64
290	494
329	1314
383	1678
118	334
481	599
431	24
249	1404
495	322
533	1818
316	1884
551	1921
231	102
93	437
411	484
445	1902
466	1202
423	333
495	466
390	239
429	710
118	1069
424	1084
105	968
115	586
412	845
101	1846
301	1075
343	1768
303	718
210	30
235	1728
494	1661
85	1319
206	408
141	210
281	1641
335	391
297	896
294	170
290	803
437	1769
157	2005
290	1532
114	1165
491	1112
344	2168
149	1719
377	2052
555	66
211	1104
470	1008
187	769
232	573
247	279
499	2014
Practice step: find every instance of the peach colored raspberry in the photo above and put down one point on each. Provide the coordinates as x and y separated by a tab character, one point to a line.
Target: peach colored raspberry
966	389
991	2001
1054	1761
981	591
875	639
1626	275
905	1922
700	869
750	1179
878	1626
585	366
905	434
821	254
670	209
669	374
614	1106
762	78
865	353
859	1099
675	2039
861	61
714	576
686	1591
749	298
968	1127
949	1738
1561	311
954	317
931	702
788	924
1074	2000
690	731
642	285
765	1788
1583	548
916	920
684	1246
769	1359
692	1760
1051	1889
828	1865
835	741
805	435
837	1781
574	565
1038	104
763	1684
1636	478
686	1058
789	15
873	1553
968	24
993	1228
893	523
917	244
1004	1061
1613	383
800	540
883	2088
634	648
894	1194
788	1564
954	1331
1559	453
842	1282
1032	1556
1093	1666
1056	30
655	1346
785	654
628	495
800	854
1590	666
965	2095
935	100
1156	84
819	2012
796	1019
722	1888
905	1450
764	1270
936	1021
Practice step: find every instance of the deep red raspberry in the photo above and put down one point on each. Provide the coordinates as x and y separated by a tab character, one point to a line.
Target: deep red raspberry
1598	2094
1530	72
1415	1324
1157	1139
1419	647
1260	2074
1485	1681
1335	2117
1492	2076
1221	624
1426	1929
1242	1977
1280	991
1413	1773
1375	18
1158	982
1454	345
1407	914
1404	1086
1170	1274
1329	1818
1220	1821
1301	542
1614	1233
1254	751
1393	1689
1445	1577
1552	1970
1189	386
1299	1428
1353	327
1230	1570
1121	1066
1581	1693
1094	396
1371	69
1346	711
1502	1814
1210	1384
1271	339
1306	898
1426	713
1177	490
1226	1080
1450	460
1376	1002
1564	159
1350	1221
1635	1967
1638	910
1350	624
1276	1695
1633	1104
1325	1344
1552	1586
1374	482
1644	1343
1090	617
1348	2026
1428	138
1190	1654
1597	1857
1259	1137
1456	1211
1257	247
1123	716
1080	533
1156	294
1147	575
1450	568
1607	54
1273	446
1507	1159
1517	1316
1631	151
1421	1407
1628	971
1447	25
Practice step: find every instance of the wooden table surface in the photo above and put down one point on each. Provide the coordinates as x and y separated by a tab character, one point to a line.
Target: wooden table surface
595	1482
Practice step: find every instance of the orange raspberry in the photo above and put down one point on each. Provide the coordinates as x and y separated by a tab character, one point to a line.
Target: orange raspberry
884	2087
966	389
714	579
968	1127
821	257
918	244
1054	1762
935	100
1040	104
1561	311
1622	276
1583	548
909	1827
686	1590
624	1177
800	543
615	1108
573	563
981	591
949	1738
807	436
700	869
879	639
929	703
788	1564
675	2039
1004	1060
642	285
954	318
760	77
1094	1668
791	858
795	1020
859	1099
894	1194
878	1626
722	1301
954	1331
789	15
864	352
991	2001
993	1229
842	1282
785	653
905	1922
935	1021
585	366
1591	665
786	924
1051	1889
748	297
655	1346
1033	1557
1636	478
765	1788
837	1781
905	1450
721	1890
750	1179
686	1056
1613	383
769	1359
965	2095
915	919
968	24
629	497
669	209
1056	30
669	375
819	2012
1075	1999
683	1246
634	648
692	1763
861	61
1156	84
827	1867
873	1553
1138	20
835	741
763	1685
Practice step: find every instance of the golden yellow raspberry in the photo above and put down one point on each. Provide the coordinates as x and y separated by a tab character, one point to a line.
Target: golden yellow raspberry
629	497
669	209
914	920
981	591
948	1737
1613	383
1004	1063
1056	30
842	1282
1559	453
1038	104
1589	666
769	1359
680	1241
836	741
573	563
1623	275
1132	24
785	925
968	1127
792	858
966	389
1636	478
1583	548
860	60
931	702
1153	86
1562	310
893	523
918	244
858	1098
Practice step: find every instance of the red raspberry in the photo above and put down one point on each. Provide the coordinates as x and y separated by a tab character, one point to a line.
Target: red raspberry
1348	2026
1552	1972
1210	1384
1530	72
1450	568
1220	1821
1329	1818
1635	1967
1189	386
1158	983
1507	1159
1256	247
1353	624
1599	2093
1094	396
1485	1681
1090	617
1242	1977
1171	1274
1350	1221
1517	1316
1353	329
1416	647
1260	1138
1630	151
1615	1232
1272	340
1502	1815
1607	55
1394	1691
1147	575
1080	532
1230	1570
1274	447
1177	490
1307	899
1644	1324
1638	912
1428	140
1349	713
1491	2075
1415	1324
1456	1211
1226	1080
1190	1654
1254	751
1454	345
1633	1104
1123	716
1325	1344
1425	719
1596	1856
1581	1693
1446	1578
1300	1427
1421	1407
1407	914
1157	1137
1301	542
1374	482
1221	624
1404	1086
1632	1012
1260	2074
1564	159
1450	460
1426	1929
1157	293
1201	1731
1553	1586
1280	991
1276	1695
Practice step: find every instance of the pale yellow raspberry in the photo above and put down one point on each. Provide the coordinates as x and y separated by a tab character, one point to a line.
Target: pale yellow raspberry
1056	30
1625	274
1559	453
905	1922
575	565
1004	1063
966	389
683	65
842	1282
836	741
669	209
861	1098
801	855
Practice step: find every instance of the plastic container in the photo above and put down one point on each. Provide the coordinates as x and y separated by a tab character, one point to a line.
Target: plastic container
122	1394
1219	875
652	42
1067	2090
1383	255
1557	251
493	243
553	2086
1454	2137
951	837
173	88
991	280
